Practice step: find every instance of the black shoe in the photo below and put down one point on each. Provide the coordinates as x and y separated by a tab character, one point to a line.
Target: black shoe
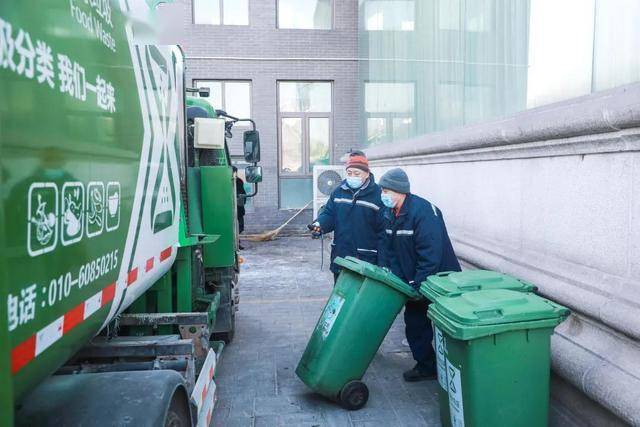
420	372
240	247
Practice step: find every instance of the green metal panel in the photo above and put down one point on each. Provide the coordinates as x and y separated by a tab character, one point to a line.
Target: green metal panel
140	306
184	280
6	389
163	290
194	200
219	215
158	299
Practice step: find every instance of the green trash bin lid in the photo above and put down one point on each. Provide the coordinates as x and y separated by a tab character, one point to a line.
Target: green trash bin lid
377	273
451	283
487	312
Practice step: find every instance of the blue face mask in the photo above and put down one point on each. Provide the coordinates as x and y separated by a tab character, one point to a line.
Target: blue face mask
354	182
387	200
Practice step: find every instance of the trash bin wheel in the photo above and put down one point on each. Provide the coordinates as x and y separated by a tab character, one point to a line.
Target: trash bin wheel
354	395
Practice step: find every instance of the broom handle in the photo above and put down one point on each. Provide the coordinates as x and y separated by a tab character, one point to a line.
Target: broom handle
293	217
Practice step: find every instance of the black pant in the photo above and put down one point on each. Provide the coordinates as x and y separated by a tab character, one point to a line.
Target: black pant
419	332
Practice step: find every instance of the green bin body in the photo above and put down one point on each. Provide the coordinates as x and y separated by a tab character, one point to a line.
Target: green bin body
363	305
450	284
497	356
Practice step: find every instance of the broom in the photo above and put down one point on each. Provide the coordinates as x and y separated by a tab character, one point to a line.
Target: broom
270	235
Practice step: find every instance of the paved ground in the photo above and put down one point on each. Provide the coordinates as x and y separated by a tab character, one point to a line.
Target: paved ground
282	295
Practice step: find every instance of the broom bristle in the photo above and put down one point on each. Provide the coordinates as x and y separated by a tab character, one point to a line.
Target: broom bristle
263	237
270	235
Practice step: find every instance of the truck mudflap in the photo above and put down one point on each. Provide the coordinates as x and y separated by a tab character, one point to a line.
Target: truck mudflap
204	391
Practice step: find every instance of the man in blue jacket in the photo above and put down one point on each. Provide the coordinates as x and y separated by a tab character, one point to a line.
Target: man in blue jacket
352	213
416	245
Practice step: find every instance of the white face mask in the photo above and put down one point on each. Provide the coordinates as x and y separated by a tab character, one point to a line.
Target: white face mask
354	182
388	200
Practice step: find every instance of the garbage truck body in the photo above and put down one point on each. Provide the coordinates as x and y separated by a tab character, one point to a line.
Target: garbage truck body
106	202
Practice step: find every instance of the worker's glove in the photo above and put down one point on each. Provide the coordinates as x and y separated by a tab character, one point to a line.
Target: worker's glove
315	230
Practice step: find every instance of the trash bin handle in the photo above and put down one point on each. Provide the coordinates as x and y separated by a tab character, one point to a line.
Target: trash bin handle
487	312
444	273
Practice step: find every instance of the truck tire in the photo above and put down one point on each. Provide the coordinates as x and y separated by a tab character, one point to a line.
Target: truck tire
228	336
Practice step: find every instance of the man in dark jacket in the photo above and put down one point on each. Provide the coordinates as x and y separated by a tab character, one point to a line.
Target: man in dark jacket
352	213
416	245
240	201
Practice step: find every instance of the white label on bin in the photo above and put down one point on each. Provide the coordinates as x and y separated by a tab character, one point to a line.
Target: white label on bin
456	407
441	360
330	314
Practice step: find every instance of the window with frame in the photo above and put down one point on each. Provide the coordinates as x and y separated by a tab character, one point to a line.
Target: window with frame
389	110
232	96
305	14
221	12
389	15
305	137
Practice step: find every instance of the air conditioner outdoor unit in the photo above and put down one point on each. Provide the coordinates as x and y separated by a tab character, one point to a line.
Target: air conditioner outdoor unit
325	180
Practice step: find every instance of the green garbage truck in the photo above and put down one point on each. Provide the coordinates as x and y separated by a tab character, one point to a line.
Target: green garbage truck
118	230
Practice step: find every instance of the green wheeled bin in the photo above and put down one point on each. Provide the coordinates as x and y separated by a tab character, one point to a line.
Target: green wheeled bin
498	356
355	320
451	283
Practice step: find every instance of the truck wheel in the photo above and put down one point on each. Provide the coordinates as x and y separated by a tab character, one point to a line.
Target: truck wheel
227	336
178	413
354	395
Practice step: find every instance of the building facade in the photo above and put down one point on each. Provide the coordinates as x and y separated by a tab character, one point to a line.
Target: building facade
525	131
290	65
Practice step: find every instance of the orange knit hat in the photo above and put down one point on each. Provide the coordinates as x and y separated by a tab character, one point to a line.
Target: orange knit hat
358	160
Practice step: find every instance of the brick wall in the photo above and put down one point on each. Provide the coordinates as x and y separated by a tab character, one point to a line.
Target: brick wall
222	52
